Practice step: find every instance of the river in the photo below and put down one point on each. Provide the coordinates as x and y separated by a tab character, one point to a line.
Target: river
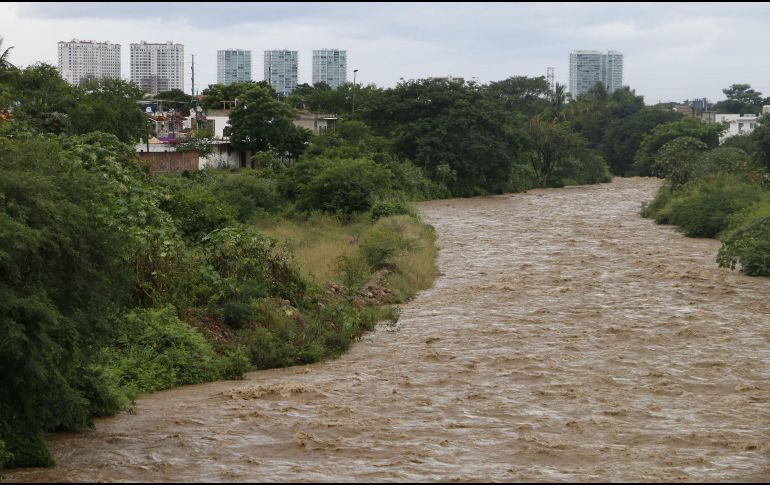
567	339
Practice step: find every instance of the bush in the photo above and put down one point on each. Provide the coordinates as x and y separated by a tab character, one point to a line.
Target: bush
386	208
354	271
236	314
156	350
385	240
703	210
748	241
247	193
677	159
344	187
245	258
196	210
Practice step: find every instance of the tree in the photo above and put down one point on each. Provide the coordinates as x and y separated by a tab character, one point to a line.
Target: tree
520	94
177	99
437	123
622	137
644	160
678	158
4	62
761	138
215	94
741	99
262	123
552	146
110	106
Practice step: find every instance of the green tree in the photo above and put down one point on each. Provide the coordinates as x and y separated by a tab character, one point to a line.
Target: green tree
622	137
110	106
761	141
215	94
741	99
520	94
262	123
678	158
176	99
552	146
644	160
436	123
5	63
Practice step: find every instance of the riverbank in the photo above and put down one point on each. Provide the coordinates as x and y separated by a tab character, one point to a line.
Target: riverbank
568	339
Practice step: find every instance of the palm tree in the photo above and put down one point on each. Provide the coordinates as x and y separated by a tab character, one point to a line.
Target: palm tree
4	63
558	99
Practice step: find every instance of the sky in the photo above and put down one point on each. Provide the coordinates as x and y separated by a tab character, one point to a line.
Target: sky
671	51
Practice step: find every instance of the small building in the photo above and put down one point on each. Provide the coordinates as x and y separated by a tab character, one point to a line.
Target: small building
736	124
221	120
316	122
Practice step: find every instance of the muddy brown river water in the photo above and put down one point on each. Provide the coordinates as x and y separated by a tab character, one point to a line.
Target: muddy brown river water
567	340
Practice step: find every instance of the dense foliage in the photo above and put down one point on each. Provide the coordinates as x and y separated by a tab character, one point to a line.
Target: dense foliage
715	192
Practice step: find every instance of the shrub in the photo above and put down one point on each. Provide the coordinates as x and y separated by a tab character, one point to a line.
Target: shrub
196	210
386	208
247	193
156	350
241	255
236	314
383	241
677	159
703	210
345	187
354	271
748	241
724	160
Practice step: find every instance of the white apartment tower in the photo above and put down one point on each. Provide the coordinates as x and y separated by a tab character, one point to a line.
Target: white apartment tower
281	70
233	66
157	67
586	68
330	66
81	60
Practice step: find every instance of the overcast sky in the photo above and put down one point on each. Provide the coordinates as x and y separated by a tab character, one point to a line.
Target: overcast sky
671	51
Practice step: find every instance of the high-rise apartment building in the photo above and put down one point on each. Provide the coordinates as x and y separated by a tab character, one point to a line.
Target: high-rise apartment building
281	70
81	60
157	67
586	68
330	66
233	66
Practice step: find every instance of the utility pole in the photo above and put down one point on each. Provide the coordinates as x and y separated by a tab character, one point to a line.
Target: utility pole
192	93
353	112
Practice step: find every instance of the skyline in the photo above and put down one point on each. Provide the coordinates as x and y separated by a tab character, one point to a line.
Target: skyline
671	52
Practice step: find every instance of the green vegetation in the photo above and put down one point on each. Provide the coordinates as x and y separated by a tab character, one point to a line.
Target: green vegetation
113	283
718	192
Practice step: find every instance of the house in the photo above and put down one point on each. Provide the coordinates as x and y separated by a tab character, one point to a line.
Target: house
316	122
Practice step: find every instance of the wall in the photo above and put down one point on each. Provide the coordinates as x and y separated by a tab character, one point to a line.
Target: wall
169	162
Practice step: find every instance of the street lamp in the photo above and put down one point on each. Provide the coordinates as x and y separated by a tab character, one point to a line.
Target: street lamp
353	113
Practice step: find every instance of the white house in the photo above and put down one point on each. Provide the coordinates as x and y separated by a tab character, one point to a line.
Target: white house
736	124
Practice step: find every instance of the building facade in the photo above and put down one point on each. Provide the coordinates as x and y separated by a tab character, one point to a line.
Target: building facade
82	60
586	68
233	66
330	66
156	68
281	70
736	124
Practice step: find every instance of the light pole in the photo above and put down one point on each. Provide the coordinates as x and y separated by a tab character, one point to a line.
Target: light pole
353	113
